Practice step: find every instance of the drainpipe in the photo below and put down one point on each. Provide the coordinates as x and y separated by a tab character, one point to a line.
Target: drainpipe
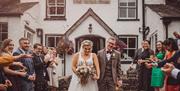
143	20
166	23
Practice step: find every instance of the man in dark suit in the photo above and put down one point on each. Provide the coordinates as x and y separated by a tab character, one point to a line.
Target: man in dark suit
110	67
40	69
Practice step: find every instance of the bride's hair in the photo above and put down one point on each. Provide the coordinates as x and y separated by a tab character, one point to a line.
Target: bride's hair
85	43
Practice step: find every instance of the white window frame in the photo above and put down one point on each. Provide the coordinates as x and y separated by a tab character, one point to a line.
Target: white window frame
56	5
1	23
128	58
153	40
28	34
51	35
127	9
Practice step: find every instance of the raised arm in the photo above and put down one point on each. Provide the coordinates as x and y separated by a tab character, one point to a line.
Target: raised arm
5	60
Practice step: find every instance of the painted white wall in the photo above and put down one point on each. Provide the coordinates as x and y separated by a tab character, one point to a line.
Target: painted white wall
14	28
107	12
155	1
155	23
32	17
16	24
83	29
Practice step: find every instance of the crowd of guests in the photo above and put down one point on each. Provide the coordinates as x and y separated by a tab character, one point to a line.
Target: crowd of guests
26	68
166	57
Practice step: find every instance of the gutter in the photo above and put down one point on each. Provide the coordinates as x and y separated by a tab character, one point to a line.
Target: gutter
10	14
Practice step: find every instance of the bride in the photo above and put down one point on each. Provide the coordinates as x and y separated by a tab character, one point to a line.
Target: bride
84	57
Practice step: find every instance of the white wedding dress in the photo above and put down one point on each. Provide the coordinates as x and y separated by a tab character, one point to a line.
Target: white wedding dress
76	86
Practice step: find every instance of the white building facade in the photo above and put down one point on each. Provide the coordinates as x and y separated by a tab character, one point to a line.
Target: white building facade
48	20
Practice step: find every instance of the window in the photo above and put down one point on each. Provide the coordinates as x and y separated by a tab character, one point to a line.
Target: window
153	40
55	9
127	9
3	31
92	1
52	40
29	33
131	42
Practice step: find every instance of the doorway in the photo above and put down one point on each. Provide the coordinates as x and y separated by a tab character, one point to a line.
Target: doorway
98	42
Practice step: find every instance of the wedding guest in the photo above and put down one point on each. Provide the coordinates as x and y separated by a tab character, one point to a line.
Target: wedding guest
160	50
170	84
27	81
40	69
159	56
51	56
144	68
6	50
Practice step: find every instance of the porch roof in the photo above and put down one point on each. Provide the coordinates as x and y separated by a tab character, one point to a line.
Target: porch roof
91	13
14	8
165	11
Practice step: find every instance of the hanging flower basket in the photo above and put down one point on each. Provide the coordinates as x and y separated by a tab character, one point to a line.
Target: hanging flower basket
65	46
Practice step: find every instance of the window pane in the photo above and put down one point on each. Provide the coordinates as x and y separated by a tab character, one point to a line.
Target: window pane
52	10
131	53
131	12
51	1
77	1
57	40
60	1
51	41
123	12
124	54
123	4
60	10
131	4
4	28
132	43
124	40
4	36
104	1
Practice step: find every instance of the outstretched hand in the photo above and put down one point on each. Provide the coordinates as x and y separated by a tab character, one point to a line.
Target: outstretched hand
23	56
168	67
26	56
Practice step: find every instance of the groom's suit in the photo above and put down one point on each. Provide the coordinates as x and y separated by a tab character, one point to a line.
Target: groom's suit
109	70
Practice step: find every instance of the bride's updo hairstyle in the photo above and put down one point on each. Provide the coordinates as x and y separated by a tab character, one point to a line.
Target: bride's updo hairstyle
86	43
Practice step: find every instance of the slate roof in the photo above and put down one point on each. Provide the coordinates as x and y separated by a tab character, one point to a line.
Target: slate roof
166	11
14	8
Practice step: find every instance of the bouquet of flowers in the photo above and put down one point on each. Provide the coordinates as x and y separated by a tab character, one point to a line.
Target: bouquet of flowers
84	72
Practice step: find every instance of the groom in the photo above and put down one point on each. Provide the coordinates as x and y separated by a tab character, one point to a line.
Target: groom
110	67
